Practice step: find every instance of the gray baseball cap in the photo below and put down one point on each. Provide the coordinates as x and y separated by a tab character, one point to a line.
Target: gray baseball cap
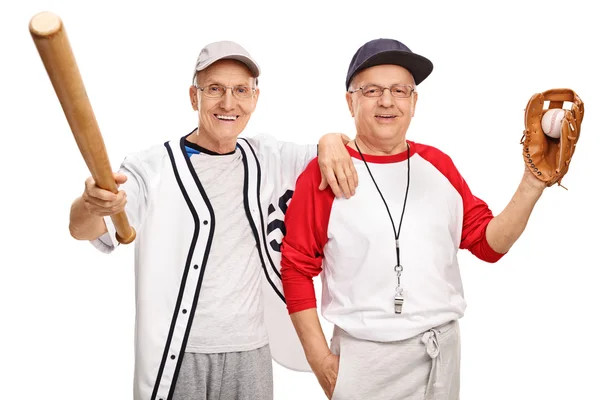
225	49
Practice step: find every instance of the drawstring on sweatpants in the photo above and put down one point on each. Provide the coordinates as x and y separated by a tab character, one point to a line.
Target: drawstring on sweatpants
431	340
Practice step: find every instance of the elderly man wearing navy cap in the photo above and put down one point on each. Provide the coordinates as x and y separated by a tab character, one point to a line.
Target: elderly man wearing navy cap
388	255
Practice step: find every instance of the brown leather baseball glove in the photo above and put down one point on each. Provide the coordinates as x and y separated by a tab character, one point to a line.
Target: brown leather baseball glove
546	157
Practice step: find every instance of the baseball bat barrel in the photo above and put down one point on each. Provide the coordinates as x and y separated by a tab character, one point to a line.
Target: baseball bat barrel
52	43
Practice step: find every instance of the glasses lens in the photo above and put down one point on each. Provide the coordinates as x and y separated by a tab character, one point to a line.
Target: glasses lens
214	91
242	91
372	91
400	90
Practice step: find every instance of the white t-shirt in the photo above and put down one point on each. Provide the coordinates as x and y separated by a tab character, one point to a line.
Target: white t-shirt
229	315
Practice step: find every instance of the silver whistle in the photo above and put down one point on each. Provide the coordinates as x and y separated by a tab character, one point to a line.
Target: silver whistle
398	303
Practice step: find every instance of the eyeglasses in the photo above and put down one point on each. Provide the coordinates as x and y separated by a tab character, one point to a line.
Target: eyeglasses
216	91
399	90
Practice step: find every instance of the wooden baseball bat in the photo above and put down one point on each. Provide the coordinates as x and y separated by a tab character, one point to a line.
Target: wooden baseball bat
52	43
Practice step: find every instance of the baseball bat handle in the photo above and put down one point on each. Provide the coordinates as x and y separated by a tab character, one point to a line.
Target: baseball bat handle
52	43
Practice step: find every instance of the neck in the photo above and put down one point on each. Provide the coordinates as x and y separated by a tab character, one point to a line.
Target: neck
203	139
378	147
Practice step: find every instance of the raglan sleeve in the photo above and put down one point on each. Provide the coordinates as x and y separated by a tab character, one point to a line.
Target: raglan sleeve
306	223
136	189
476	214
476	217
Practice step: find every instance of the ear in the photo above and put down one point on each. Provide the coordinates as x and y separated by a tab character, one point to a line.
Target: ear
194	98
254	99
414	107
256	95
350	103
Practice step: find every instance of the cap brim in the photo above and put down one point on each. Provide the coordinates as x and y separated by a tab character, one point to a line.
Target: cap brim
419	66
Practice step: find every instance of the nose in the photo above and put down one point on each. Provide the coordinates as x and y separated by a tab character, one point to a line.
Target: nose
386	99
227	100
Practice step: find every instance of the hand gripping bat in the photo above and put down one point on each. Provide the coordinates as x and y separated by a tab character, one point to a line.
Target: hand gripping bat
52	43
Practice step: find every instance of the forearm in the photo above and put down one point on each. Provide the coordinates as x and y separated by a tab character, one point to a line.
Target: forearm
309	330
82	224
504	230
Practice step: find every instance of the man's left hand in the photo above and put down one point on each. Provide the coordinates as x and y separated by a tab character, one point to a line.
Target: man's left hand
337	168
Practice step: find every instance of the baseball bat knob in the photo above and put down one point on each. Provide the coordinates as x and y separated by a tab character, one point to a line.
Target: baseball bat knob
45	24
126	240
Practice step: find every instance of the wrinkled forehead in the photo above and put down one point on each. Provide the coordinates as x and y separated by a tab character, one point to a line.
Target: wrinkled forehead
383	75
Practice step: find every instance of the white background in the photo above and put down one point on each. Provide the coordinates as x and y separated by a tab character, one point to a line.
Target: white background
67	311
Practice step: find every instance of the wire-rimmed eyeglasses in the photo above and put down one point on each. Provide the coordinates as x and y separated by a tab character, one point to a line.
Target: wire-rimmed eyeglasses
398	90
216	91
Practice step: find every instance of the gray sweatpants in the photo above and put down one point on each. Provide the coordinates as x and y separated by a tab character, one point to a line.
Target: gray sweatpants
246	375
424	367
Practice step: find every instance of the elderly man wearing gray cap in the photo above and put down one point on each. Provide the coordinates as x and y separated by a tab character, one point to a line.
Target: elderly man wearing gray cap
208	209
388	255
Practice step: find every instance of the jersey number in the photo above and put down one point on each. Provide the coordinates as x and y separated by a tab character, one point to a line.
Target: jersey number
276	227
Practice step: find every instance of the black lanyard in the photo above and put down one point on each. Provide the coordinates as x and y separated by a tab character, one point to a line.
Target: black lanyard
398	268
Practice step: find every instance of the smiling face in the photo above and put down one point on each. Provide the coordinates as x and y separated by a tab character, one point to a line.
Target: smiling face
222	119
385	118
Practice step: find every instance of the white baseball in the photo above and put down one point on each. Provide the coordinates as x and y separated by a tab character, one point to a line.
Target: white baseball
552	121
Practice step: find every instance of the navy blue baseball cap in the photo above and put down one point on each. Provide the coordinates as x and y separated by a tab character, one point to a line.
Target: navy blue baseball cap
389	51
